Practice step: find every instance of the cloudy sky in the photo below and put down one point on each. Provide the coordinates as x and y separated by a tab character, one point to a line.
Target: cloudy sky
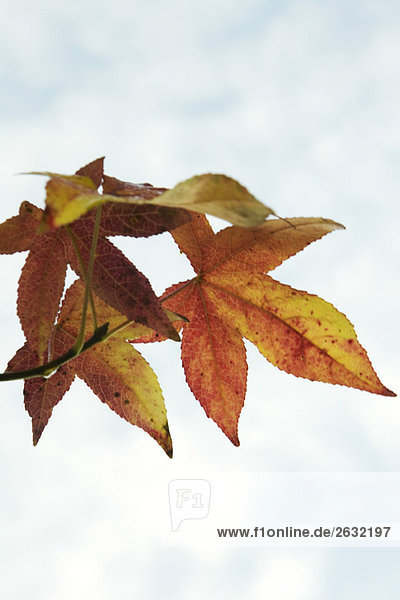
299	102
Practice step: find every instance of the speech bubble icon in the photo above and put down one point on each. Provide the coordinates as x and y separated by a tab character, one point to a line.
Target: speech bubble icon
188	499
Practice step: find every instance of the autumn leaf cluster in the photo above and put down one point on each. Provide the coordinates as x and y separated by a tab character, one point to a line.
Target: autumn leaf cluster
90	330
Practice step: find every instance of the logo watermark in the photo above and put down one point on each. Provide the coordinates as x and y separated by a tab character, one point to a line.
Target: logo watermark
188	499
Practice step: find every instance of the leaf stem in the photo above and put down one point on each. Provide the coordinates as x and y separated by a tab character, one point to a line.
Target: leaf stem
83	270
46	370
126	324
80	340
117	329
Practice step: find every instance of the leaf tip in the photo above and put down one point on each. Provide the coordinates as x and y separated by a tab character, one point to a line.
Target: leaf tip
339	225
235	440
173	334
94	170
231	434
387	392
166	442
36	435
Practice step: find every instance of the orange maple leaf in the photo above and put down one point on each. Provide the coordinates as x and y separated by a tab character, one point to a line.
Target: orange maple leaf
232	297
114	370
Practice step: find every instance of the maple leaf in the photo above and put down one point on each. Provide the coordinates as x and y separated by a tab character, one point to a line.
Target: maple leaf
69	197
232	297
114	370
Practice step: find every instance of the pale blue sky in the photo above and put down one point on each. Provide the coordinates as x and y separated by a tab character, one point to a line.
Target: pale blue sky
299	102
